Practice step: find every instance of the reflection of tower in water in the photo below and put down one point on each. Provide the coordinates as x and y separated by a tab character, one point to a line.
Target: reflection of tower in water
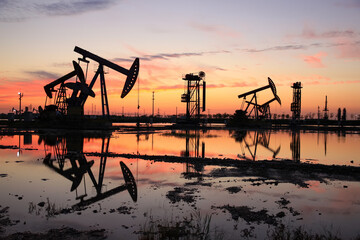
295	145
192	150
325	141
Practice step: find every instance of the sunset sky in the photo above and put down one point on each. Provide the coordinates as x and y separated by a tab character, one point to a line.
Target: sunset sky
238	44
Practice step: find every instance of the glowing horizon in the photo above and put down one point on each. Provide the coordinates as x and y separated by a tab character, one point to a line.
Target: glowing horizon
237	44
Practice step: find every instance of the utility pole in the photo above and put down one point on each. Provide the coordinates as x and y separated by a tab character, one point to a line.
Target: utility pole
20	96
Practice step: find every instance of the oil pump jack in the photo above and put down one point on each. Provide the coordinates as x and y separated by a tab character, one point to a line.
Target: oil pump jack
73	105
259	111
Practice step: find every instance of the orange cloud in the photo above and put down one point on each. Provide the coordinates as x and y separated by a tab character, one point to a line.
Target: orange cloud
315	60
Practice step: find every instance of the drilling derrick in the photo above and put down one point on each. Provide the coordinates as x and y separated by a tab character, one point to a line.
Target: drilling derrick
192	96
296	104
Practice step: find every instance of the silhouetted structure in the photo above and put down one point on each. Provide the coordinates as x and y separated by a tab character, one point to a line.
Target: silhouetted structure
74	105
21	95
296	104
326	110
261	111
192	96
339	115
344	115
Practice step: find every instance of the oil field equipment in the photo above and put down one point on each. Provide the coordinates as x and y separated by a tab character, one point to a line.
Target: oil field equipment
261	111
65	155
326	110
296	104
295	145
192	96
73	105
250	140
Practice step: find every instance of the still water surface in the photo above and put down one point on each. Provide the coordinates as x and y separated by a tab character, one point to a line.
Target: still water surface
60	171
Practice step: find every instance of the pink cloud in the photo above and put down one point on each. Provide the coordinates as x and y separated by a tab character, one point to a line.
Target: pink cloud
345	42
315	60
314	78
348	50
309	33
333	83
349	4
221	31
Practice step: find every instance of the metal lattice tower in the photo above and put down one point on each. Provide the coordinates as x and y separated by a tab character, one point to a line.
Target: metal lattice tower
61	100
192	95
296	104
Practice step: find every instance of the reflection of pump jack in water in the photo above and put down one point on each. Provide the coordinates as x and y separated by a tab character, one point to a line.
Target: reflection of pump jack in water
259	137
295	145
192	149
71	148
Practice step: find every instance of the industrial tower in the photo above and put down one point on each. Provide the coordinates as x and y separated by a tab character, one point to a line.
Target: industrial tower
192	95
296	104
326	110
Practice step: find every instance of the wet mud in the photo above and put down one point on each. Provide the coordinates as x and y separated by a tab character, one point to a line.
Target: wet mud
182	194
5	220
249	215
62	233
